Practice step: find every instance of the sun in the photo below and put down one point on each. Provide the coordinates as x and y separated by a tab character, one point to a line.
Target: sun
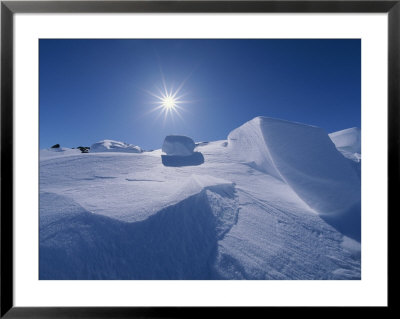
168	102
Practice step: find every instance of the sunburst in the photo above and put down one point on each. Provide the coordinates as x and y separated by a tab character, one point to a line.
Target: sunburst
169	102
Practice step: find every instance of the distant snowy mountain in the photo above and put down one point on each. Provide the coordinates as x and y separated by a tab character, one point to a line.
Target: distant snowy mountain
276	200
114	146
348	142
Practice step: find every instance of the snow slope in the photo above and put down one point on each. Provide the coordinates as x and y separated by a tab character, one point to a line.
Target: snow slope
57	152
239	215
114	146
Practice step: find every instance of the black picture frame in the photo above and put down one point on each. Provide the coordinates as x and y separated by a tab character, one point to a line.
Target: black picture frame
9	8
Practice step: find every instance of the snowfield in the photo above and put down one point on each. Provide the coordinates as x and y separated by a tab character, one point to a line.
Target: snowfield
276	200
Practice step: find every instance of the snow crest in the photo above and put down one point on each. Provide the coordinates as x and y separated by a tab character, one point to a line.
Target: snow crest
348	142
304	157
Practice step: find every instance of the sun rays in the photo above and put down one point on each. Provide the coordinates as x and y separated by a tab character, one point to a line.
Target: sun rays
169	101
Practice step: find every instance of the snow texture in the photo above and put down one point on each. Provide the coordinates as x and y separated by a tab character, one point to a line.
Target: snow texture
261	206
114	146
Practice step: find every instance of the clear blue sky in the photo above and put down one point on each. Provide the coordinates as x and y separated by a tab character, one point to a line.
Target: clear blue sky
92	90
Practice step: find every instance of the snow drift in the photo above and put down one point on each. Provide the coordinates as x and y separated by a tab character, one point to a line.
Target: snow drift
304	157
114	146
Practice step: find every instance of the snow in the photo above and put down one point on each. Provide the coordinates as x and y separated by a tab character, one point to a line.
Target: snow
178	145
254	209
114	146
349	139
302	156
348	142
49	153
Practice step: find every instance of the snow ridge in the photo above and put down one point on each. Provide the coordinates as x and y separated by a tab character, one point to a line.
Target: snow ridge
302	156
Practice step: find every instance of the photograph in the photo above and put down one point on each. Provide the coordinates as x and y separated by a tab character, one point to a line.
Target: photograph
199	159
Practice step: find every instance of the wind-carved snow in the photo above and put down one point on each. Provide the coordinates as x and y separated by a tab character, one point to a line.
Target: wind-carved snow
348	142
304	157
221	197
114	146
348	139
245	213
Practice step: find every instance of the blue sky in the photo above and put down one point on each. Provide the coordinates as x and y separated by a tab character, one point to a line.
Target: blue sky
92	90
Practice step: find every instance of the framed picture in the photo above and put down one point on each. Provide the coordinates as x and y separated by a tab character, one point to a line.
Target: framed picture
160	158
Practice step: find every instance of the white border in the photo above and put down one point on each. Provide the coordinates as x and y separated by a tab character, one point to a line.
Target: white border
371	290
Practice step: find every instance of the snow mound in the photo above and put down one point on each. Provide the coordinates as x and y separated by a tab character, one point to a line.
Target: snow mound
348	142
114	146
302	156
178	145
